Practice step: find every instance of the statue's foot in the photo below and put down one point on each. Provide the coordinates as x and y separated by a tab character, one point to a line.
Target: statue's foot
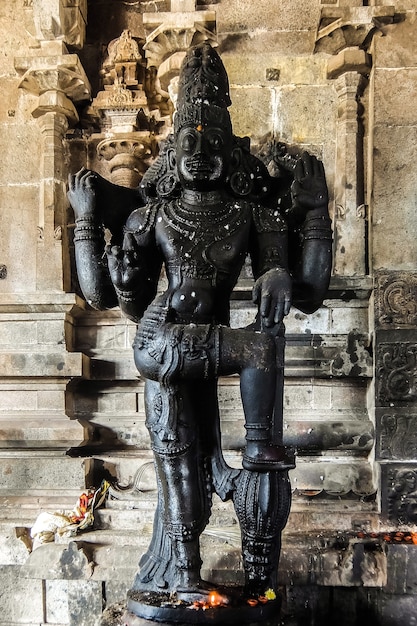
261	456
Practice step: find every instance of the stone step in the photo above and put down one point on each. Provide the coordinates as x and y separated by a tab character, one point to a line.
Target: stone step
23	471
39	430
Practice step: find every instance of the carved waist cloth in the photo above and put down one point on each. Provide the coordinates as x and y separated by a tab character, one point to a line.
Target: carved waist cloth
178	351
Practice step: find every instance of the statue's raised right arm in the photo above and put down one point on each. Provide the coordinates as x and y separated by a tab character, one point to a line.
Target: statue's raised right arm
310	216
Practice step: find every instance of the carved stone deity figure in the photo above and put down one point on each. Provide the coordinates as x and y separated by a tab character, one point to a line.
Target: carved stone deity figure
204	205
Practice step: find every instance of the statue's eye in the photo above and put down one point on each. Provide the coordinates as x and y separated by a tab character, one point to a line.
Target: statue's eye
215	141
188	142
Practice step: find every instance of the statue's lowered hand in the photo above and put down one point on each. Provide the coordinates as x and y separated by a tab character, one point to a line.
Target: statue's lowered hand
123	262
273	294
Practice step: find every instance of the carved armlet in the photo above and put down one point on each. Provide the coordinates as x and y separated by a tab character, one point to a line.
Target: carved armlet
87	229
316	227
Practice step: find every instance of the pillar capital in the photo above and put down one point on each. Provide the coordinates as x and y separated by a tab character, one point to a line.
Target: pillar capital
58	81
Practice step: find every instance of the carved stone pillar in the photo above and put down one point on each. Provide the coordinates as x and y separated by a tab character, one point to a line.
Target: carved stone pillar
350	214
58	82
346	33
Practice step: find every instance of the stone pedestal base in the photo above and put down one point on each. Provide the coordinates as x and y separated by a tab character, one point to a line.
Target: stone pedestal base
161	608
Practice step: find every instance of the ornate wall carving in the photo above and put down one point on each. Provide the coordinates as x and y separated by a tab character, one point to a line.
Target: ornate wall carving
396	372
396	300
397	438
401	487
396	390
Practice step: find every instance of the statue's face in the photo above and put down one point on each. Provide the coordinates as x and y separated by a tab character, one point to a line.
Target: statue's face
202	156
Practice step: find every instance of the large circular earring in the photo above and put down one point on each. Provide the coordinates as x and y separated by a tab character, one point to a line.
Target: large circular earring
166	185
240	180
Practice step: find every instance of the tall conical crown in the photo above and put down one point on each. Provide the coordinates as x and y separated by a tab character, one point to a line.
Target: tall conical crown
203	89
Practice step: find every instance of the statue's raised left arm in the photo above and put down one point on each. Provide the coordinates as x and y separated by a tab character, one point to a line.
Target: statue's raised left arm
98	205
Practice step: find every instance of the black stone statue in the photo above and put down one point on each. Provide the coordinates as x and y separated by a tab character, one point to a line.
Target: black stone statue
208	204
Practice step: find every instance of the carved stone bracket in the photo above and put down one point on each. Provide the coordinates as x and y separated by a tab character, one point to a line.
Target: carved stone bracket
58	81
344	27
45	73
169	35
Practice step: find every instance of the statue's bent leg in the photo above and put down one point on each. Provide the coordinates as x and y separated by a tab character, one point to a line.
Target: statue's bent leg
258	357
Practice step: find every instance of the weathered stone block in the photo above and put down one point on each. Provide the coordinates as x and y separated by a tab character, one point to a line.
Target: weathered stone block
18	224
17	400
335	477
56	601
298	70
232	16
47	431
18	332
28	472
390	87
251	110
26	147
21	600
344	318
396	610
116	591
40	364
398	47
51	400
350	395
12	549
242	42
52	561
85	602
51	331
402	569
394	148
354	565
318	322
304	114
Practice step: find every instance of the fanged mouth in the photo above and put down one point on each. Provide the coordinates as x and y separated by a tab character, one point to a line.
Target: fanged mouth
199	165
